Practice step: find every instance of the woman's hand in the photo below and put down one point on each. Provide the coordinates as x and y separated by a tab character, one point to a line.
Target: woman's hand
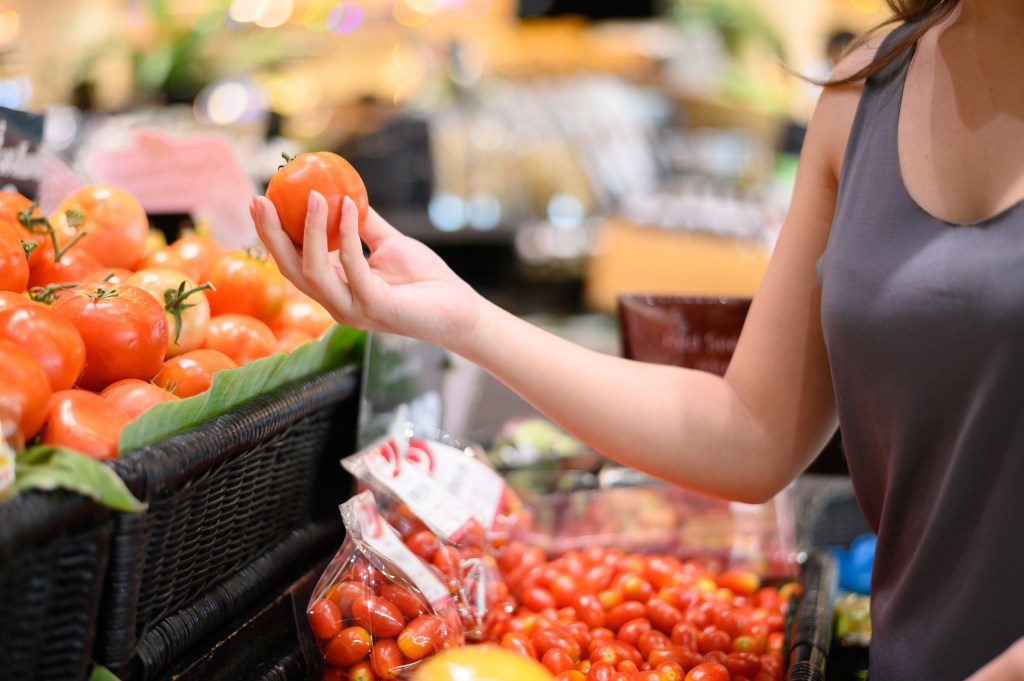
403	287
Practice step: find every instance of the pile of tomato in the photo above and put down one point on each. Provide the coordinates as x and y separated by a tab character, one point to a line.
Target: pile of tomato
601	614
100	319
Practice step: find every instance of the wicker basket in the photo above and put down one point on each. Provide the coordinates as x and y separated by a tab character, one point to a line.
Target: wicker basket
221	495
53	552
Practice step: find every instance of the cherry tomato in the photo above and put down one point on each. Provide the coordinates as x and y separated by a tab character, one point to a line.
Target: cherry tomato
672	653
750	644
557	660
670	671
24	387
325	620
13	260
241	337
424	544
362	671
134	396
379	616
331	176
652	640
84	421
245	282
635	588
630	631
597	577
519	643
570	675
589	610
546	638
772	665
185	305
195	253
191	373
421	637
334	674
411	605
348	645
601	671
716	656
742	582
113	221
347	592
386	658
708	671
536	598
50	338
660	570
448	560
124	330
662	615
563	589
743	663
622	613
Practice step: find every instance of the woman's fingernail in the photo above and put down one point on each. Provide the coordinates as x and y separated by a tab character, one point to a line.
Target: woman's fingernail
314	201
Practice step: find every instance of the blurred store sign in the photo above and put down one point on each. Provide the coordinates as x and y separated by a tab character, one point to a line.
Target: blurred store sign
21	166
199	175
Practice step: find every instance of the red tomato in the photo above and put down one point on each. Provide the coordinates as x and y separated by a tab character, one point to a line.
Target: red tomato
17	210
71	266
563	589
622	613
362	671
327	173
536	598
743	663
110	275
630	631
290	338
84	421
191	373
520	643
742	582
662	615
589	610
546	638
299	311
708	671
672	653
161	256
9	299
421	637
241	337
712	638
348	646
246	283
424	544
570	675
113	221
346	593
411	605
601	671
334	674
448	560
386	658
24	387
557	660
325	620
133	396
380	617
652	640
124	330
635	588
50	338
772	665
186	306
13	260
195	253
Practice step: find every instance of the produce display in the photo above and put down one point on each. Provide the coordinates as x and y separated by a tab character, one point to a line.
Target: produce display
593	613
100	318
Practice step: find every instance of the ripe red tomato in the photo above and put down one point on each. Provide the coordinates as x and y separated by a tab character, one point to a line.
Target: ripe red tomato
71	266
84	421
195	254
622	613
346	593
411	605
630	631
651	641
299	311
191	373
348	646
124	329
327	173
325	620
424	544
536	598
589	610
245	282
134	396
708	671
241	337
743	663
421	637
662	615
362	671
24	387
570	675
13	261
712	638
113	220
50	338
742	582
109	275
549	637
15	209
520	643
9	299
557	660
448	560
379	616
161	256
185	303
386	658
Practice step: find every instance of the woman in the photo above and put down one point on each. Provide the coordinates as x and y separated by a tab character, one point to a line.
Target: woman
894	305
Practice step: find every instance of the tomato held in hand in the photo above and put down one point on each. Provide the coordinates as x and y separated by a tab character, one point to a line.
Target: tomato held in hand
124	330
84	421
327	173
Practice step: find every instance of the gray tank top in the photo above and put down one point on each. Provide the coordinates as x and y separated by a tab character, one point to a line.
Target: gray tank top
924	325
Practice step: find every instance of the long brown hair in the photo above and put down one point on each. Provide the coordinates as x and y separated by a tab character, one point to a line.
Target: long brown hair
926	13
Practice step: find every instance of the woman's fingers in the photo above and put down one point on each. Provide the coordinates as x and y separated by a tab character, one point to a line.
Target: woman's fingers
315	265
376	229
268	226
350	253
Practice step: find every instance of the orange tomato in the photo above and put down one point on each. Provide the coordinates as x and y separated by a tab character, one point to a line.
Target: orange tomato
12	207
133	396
196	253
24	387
299	311
241	337
84	421
185	304
289	338
245	283
13	261
50	338
161	256
113	220
191	373
10	299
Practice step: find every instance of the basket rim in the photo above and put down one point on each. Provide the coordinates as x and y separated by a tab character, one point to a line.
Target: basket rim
36	516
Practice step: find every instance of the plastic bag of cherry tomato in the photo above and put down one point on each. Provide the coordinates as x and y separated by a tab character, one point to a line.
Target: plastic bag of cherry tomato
445	504
378	610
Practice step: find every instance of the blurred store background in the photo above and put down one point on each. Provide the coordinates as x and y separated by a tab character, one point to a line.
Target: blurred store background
557	152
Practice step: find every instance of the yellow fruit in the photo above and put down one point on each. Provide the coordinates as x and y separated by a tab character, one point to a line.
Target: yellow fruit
481	663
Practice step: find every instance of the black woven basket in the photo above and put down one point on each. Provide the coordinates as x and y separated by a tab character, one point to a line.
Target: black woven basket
221	495
53	552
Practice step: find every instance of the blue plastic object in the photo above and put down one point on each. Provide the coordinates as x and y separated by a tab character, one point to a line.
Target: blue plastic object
855	563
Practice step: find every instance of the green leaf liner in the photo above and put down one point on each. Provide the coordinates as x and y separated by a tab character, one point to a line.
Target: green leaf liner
101	673
340	345
48	468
